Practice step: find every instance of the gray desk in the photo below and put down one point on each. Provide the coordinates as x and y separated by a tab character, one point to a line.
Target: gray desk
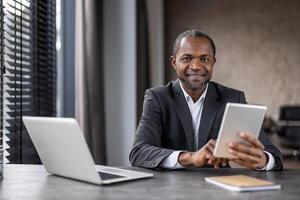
33	182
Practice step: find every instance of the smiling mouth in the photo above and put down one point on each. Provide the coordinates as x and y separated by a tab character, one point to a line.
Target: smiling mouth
196	75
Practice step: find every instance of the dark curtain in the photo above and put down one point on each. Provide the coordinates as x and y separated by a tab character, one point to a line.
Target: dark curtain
89	89
143	62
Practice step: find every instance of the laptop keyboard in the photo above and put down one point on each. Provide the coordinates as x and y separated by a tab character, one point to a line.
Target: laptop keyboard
106	176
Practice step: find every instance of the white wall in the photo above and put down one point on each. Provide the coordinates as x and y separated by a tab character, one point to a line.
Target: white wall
120	78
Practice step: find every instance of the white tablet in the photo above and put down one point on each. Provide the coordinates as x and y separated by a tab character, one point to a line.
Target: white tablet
238	118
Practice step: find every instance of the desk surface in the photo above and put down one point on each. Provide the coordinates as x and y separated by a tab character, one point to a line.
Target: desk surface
33	182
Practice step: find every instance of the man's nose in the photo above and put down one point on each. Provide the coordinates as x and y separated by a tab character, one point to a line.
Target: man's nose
196	64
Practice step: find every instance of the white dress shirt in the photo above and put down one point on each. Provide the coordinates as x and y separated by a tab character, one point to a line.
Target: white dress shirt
171	162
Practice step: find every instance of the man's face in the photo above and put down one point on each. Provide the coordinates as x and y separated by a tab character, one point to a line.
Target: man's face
194	63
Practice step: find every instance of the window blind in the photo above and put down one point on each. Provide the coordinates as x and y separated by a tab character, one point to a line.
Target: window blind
30	71
1	88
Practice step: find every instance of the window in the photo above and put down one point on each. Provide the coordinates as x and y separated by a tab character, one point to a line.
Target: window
1	88
29	76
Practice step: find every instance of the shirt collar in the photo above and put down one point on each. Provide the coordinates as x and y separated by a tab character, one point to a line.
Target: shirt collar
188	97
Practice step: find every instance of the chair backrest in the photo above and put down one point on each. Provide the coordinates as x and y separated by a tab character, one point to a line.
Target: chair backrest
290	113
289	131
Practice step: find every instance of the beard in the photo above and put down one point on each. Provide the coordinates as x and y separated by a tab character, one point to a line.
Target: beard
195	81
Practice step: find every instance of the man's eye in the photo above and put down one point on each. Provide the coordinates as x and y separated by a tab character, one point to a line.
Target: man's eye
185	59
205	59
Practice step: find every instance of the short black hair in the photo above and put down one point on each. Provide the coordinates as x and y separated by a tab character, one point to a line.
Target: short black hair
195	34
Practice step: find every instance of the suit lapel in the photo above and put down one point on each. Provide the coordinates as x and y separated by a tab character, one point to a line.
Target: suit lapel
184	115
209	112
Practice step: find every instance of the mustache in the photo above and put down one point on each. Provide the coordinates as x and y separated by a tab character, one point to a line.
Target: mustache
200	72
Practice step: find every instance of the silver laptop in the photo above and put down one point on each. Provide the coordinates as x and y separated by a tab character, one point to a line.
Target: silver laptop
64	152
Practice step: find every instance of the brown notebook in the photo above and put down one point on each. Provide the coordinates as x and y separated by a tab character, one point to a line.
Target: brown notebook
242	183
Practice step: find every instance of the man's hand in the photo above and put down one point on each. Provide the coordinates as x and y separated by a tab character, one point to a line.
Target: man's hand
250	154
202	157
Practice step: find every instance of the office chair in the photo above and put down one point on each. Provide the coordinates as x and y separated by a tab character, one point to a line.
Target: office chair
289	129
269	125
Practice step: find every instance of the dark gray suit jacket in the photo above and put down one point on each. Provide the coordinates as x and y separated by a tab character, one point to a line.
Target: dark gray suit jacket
166	123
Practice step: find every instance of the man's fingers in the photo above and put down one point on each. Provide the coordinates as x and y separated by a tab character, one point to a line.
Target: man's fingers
205	154
218	162
244	156
209	155
224	162
245	149
252	140
212	141
202	157
211	144
210	147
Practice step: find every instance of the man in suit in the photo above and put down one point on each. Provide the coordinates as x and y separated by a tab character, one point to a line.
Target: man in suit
181	121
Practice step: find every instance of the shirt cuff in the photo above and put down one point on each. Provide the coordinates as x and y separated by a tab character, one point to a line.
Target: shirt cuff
270	164
171	162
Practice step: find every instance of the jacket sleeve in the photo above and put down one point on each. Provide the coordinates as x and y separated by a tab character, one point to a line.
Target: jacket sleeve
147	150
269	147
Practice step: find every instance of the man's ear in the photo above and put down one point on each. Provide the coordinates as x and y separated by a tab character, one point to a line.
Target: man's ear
215	60
173	61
